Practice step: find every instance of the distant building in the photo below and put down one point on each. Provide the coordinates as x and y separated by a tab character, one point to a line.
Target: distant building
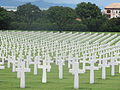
10	8
112	10
78	19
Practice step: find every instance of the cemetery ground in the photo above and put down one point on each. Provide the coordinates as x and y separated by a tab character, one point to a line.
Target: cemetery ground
8	80
87	52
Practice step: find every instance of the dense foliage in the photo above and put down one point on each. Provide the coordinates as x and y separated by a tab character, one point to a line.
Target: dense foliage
28	13
112	25
85	17
88	10
61	16
4	19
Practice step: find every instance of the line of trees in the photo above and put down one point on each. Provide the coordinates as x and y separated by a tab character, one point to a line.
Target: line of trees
85	17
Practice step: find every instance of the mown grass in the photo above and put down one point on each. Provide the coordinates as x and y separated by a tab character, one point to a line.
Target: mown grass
9	81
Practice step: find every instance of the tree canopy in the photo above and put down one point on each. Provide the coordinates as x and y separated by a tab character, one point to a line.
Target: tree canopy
85	17
112	25
61	16
88	10
28	13
4	19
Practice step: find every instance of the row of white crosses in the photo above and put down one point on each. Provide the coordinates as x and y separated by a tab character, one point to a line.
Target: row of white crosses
21	48
113	61
103	65
103	76
30	51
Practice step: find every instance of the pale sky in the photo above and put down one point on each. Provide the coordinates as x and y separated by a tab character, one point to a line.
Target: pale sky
28	0
74	1
100	3
68	1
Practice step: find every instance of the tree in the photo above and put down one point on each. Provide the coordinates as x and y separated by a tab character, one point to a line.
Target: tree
95	24
87	10
4	19
61	16
112	25
28	13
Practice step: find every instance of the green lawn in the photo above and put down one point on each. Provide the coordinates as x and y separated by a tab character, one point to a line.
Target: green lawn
9	81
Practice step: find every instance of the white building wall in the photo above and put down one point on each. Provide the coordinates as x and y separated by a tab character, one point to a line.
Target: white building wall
113	13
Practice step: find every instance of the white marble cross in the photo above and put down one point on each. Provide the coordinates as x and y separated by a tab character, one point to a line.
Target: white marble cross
22	71
2	67
48	62
60	64
84	61
69	60
13	63
44	68
103	65
28	61
19	64
75	71
9	60
25	51
113	62
119	65
92	68
36	62
117	60
2	59
2	62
